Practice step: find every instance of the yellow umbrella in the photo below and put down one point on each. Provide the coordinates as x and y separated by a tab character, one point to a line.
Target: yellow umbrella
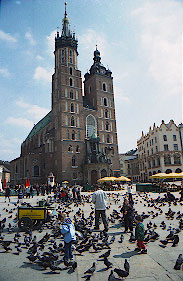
172	176
122	178
158	176
107	179
179	175
65	182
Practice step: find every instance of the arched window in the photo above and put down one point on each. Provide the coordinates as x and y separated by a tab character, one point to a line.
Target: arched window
104	87
107	126
73	135
77	148
167	159
91	126
177	159
73	161
70	53
70	148
70	82
70	70
108	139
36	171
71	95
106	113
105	101
168	171
72	121
72	107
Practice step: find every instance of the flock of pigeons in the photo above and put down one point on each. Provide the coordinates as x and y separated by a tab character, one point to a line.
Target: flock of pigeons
47	252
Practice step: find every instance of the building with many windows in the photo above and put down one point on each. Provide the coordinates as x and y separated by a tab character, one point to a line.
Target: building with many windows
160	150
77	139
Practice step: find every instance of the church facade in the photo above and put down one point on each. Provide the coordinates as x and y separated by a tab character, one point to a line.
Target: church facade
77	139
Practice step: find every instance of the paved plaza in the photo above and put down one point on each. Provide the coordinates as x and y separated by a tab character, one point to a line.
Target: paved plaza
157	264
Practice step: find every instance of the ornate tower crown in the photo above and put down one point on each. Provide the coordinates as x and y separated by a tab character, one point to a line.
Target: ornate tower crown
67	38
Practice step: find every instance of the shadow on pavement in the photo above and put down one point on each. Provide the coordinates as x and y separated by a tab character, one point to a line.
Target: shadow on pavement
126	255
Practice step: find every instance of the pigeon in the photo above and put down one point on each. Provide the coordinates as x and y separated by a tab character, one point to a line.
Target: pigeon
127	265
175	240
105	255
91	269
32	258
112	277
107	263
121	238
121	272
178	263
74	265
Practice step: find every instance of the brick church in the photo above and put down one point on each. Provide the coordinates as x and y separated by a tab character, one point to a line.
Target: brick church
77	139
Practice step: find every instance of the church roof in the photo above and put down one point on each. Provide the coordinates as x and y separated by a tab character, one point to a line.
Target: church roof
41	124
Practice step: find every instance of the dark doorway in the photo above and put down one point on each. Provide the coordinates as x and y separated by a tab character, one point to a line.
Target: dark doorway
94	177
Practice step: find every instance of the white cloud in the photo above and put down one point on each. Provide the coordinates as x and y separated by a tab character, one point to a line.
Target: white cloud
7	37
21	122
51	42
161	45
38	57
43	74
30	38
91	38
31	109
4	72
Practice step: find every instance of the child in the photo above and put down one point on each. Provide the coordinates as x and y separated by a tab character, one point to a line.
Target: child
68	231
139	235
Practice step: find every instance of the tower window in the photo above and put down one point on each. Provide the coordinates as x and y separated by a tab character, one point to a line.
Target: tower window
73	161
62	52
105	101
108	139
70	53
72	121
72	107
104	87
91	127
70	82
71	95
73	135
106	113
36	171
107	126
70	148
70	70
77	148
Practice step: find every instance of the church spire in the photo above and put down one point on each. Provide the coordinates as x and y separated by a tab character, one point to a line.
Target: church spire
65	26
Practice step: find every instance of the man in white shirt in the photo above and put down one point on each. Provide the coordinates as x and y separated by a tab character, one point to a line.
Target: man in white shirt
99	199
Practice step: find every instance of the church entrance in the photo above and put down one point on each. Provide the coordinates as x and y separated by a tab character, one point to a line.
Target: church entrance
103	173
94	177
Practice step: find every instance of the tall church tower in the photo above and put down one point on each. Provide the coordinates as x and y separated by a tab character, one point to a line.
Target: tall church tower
98	89
67	105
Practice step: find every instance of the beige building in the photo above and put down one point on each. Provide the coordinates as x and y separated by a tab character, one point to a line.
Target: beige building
77	139
129	165
160	150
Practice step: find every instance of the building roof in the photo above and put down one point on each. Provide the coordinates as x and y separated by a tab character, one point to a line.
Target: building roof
41	124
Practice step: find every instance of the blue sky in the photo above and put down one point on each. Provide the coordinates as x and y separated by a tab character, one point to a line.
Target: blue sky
139	40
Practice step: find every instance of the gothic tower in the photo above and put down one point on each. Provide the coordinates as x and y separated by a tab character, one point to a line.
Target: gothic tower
67	105
98	89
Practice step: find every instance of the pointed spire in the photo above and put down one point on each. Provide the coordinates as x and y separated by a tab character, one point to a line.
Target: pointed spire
65	28
65	9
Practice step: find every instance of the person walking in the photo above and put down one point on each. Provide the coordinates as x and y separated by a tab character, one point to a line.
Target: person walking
139	235
99	198
7	193
68	231
128	215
